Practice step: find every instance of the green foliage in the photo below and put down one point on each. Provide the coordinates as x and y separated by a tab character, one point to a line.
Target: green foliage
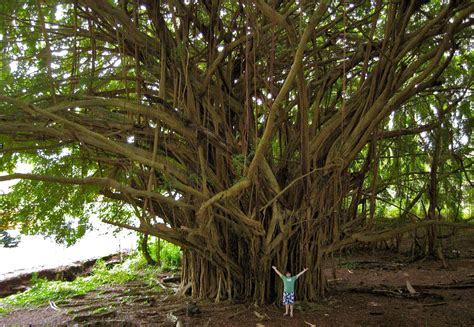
4	311
101	310
241	161
170	254
58	210
238	163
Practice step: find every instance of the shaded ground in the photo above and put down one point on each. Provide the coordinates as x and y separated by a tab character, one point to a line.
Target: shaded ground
366	290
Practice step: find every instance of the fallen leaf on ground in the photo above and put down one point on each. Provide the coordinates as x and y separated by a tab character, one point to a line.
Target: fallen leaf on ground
410	288
260	316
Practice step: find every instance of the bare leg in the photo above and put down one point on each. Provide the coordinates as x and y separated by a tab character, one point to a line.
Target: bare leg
286	311
291	310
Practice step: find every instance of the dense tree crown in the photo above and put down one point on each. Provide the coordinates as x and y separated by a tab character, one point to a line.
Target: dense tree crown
250	133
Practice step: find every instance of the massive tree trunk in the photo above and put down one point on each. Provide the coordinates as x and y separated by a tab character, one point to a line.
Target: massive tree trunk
236	127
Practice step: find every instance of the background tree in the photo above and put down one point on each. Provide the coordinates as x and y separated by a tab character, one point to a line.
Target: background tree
250	133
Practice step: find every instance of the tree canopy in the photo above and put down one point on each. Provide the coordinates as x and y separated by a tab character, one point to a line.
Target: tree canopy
250	133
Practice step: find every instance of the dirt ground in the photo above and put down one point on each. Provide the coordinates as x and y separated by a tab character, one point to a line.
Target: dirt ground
365	290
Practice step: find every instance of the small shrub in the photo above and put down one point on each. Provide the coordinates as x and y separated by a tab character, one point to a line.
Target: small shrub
170	255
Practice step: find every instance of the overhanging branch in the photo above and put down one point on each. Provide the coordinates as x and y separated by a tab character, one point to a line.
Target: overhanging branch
100	182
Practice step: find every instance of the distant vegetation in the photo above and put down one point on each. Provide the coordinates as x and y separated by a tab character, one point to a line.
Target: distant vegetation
169	254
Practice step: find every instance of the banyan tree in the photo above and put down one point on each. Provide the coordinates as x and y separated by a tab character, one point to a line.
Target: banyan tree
247	132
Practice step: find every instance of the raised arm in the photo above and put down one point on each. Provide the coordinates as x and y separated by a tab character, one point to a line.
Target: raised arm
276	270
302	272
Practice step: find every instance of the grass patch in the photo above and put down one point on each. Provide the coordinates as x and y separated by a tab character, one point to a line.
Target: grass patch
170	255
43	290
350	265
101	310
3	311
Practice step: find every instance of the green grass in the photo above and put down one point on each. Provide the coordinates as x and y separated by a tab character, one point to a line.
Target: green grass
3	311
101	310
43	290
349	265
170	254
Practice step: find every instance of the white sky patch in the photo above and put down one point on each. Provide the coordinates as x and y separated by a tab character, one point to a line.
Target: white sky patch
21	168
435	110
60	53
65	152
391	120
59	13
464	140
257	100
13	66
392	192
117	63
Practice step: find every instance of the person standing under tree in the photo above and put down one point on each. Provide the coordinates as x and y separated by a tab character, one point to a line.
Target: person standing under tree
289	289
